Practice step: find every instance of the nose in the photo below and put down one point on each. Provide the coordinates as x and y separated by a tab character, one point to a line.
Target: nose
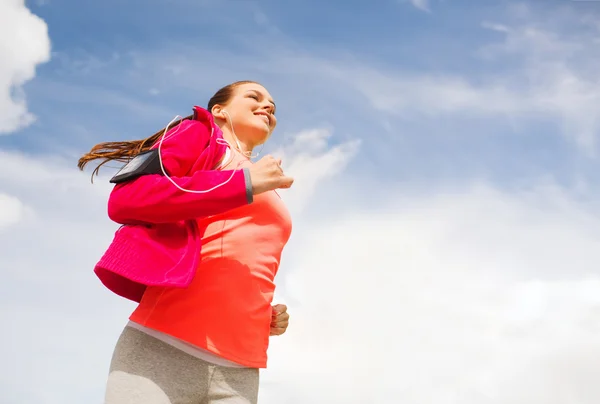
268	107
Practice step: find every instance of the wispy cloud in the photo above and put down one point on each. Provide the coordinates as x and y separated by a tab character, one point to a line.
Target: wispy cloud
421	4
550	77
531	73
311	161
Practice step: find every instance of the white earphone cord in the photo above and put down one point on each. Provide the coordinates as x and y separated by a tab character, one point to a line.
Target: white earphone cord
238	142
219	141
162	167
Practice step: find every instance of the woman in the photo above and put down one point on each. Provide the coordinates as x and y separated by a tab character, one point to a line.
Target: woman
199	248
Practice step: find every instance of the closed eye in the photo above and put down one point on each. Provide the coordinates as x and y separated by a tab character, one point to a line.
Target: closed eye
257	98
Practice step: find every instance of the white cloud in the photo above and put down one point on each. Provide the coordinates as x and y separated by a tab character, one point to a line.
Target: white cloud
407	94
83	63
422	296
558	77
24	44
542	90
442	297
311	161
11	210
495	26
421	4
49	288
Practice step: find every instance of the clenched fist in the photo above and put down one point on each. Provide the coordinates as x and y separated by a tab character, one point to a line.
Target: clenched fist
279	319
266	175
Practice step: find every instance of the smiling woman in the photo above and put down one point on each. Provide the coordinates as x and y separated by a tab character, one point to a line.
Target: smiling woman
125	150
189	255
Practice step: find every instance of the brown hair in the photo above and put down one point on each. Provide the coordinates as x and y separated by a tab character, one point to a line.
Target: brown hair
126	150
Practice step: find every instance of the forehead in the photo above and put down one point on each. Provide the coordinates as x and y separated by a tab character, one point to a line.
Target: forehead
243	88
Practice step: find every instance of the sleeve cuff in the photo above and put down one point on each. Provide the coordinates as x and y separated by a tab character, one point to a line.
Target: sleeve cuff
249	193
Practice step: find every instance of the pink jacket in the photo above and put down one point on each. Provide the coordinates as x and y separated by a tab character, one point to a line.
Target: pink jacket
159	242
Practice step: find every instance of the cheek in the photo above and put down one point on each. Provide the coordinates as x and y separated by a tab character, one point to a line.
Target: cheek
243	118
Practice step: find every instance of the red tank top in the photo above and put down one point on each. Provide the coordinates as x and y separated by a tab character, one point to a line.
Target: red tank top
227	307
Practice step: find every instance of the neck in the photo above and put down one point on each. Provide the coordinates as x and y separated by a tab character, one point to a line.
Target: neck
243	146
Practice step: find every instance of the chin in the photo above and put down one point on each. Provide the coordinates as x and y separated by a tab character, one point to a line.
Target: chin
259	135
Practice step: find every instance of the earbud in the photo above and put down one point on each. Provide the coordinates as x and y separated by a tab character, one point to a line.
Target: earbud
220	113
228	117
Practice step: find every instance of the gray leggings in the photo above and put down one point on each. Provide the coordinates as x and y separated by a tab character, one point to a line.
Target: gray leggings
145	370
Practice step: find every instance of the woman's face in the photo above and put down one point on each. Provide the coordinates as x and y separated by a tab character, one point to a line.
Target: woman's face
251	111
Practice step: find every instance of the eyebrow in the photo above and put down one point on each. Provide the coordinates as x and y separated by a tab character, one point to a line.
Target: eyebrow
262	95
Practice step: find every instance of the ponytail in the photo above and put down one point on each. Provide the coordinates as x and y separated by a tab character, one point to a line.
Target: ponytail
121	151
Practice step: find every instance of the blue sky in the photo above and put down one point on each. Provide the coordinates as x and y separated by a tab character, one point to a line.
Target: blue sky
109	58
445	203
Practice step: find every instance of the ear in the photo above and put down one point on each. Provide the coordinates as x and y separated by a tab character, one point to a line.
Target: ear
217	112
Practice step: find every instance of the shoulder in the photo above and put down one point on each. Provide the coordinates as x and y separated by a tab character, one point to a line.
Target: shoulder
182	145
202	123
194	132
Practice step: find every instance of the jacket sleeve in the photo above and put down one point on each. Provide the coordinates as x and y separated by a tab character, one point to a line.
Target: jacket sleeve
154	198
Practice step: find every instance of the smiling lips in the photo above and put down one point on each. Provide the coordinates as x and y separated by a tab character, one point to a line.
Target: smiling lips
265	117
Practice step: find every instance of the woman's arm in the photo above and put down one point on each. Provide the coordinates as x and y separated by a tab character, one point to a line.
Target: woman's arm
154	198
